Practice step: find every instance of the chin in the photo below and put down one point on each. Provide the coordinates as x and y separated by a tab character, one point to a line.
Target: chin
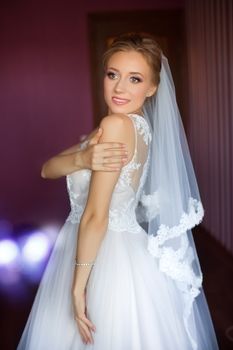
120	110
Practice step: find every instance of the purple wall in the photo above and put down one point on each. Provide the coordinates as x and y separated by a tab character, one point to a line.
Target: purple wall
45	97
210	57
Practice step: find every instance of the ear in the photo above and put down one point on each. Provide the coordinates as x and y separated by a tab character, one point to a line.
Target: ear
152	91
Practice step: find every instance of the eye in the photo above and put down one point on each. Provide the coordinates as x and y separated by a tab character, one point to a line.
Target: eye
111	75
135	80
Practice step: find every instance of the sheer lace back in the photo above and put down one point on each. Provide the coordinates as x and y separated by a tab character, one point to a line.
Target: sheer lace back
128	189
132	173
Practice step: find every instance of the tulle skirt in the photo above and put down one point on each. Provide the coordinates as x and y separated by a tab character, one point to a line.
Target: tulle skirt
133	305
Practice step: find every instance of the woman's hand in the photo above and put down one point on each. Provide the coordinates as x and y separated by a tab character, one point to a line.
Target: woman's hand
85	326
108	156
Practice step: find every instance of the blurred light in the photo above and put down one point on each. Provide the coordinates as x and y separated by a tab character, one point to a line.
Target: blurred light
36	248
9	252
25	258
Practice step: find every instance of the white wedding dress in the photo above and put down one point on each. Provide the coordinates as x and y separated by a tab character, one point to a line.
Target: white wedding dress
133	305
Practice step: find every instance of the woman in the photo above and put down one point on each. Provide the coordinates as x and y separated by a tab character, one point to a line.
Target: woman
134	286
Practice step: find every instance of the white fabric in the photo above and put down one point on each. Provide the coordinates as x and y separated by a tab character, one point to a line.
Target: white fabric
171	204
132	303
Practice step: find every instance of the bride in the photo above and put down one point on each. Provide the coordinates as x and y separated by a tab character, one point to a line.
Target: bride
124	273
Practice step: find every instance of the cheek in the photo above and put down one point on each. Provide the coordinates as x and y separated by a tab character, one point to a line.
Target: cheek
107	87
140	93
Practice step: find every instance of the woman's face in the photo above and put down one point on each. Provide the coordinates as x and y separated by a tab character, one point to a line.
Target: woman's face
127	82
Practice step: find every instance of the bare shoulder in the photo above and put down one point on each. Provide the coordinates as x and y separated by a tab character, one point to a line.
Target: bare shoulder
117	122
118	128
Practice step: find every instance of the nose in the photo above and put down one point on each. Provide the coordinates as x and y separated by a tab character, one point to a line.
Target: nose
119	86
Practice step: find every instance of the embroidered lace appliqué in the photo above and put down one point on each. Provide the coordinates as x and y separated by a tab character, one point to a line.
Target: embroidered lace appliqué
177	264
125	177
124	219
76	208
142	128
150	203
187	221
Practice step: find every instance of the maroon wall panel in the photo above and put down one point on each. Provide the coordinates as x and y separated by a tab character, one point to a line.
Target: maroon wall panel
45	97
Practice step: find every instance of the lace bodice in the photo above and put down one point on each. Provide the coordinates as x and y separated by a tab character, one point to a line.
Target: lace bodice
128	189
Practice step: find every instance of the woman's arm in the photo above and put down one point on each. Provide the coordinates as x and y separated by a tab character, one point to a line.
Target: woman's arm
94	220
96	156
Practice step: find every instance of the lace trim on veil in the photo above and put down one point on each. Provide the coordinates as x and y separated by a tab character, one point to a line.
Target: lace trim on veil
177	263
187	221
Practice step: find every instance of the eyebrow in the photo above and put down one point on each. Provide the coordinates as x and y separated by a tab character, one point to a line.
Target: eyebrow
129	72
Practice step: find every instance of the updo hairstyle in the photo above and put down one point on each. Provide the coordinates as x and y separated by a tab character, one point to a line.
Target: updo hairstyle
139	42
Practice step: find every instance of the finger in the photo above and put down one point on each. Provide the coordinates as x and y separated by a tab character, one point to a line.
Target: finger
94	140
82	331
112	145
114	153
109	165
86	330
84	319
99	162
88	322
83	335
110	159
113	165
113	159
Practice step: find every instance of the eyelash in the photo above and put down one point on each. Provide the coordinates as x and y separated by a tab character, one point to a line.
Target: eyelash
112	75
138	80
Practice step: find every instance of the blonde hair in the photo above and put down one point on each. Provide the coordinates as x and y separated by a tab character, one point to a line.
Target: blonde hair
142	43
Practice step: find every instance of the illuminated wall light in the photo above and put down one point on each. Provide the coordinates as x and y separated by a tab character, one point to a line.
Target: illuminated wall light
26	257
9	258
9	252
36	248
